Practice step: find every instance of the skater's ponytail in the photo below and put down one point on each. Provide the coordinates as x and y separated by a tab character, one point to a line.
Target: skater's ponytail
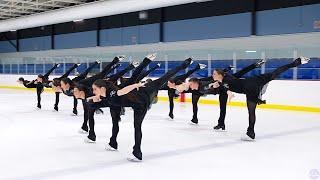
110	86
194	80
67	81
41	76
106	84
220	72
56	82
81	87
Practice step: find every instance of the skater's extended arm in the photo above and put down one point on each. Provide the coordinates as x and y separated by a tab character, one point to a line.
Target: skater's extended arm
181	87
129	88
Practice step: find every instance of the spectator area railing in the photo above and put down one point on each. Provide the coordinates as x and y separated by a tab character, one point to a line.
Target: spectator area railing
310	71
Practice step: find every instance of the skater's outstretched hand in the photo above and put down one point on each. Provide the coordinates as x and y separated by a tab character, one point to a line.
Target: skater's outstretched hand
94	98
183	87
214	85
140	84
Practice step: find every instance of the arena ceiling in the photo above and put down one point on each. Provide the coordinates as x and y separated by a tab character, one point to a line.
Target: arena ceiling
16	8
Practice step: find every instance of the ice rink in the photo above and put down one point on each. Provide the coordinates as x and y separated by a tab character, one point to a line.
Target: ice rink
42	144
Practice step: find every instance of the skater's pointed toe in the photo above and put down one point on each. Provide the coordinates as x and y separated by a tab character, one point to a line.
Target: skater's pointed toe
202	66
219	128
260	62
152	56
304	60
121	57
135	63
171	116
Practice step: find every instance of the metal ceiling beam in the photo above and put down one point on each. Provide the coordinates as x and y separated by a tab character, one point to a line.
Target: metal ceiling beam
35	3
19	6
66	1
86	11
16	8
15	11
7	14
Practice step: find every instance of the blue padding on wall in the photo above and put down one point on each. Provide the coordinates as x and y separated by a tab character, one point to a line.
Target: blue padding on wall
76	40
6	47
39	69
221	64
288	20
308	73
235	25
14	69
6	69
35	44
30	68
22	69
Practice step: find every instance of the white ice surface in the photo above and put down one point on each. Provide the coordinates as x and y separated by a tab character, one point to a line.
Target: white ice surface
45	145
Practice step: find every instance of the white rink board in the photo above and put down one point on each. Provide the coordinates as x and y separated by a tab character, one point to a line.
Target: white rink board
283	92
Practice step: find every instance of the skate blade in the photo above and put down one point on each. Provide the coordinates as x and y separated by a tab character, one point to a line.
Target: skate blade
109	148
193	124
247	138
136	160
169	119
81	131
219	130
89	141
